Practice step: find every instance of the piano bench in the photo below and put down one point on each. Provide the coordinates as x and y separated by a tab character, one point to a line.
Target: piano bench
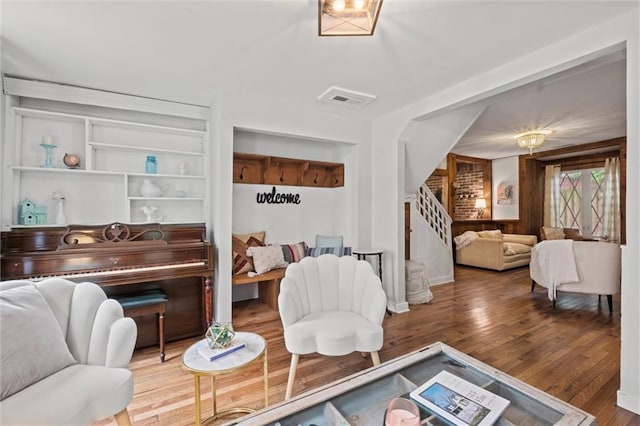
145	303
268	285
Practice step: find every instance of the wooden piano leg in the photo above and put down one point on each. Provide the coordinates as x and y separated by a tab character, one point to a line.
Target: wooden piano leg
208	302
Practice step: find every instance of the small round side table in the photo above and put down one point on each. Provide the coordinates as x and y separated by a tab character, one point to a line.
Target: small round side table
362	254
194	363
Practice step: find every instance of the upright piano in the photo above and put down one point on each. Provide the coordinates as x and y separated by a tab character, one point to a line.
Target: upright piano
123	258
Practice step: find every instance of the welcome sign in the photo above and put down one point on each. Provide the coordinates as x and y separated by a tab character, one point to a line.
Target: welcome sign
275	197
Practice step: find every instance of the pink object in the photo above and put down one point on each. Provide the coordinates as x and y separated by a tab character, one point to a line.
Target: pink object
402	412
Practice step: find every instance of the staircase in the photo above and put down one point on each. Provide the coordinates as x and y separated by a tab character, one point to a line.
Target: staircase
431	236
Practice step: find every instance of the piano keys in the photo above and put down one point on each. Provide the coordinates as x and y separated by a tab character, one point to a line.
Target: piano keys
122	258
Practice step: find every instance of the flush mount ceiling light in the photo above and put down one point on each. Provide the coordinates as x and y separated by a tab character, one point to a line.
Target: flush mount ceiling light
532	139
347	17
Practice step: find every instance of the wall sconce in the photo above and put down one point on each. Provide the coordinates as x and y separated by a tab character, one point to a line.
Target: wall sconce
481	204
347	17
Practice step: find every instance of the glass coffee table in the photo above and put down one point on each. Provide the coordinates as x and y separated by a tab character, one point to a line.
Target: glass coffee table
194	363
361	399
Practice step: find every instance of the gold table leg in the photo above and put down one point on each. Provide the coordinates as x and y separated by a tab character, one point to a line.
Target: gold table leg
266	380
196	380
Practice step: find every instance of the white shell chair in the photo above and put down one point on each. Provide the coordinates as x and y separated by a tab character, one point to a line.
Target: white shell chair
333	306
101	340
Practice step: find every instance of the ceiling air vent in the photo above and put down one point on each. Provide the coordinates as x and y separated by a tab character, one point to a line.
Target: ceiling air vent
338	96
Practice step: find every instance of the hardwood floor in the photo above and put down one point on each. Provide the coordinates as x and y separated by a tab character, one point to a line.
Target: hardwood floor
572	352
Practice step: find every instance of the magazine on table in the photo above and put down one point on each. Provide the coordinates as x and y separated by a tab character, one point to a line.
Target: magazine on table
212	354
459	401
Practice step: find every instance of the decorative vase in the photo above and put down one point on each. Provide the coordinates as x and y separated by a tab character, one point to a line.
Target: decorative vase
151	165
60	218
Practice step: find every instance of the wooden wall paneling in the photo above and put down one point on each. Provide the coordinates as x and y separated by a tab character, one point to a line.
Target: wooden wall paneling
451	196
487	188
623	192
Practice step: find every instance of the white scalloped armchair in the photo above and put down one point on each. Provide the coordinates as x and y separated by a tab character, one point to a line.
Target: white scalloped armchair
333	306
99	383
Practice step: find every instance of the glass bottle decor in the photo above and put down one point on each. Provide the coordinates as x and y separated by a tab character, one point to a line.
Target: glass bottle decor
47	144
151	165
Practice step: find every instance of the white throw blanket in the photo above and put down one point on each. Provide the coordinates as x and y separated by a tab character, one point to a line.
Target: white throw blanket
466	238
558	263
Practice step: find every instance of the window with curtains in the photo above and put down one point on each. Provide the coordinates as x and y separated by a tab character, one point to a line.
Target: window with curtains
581	203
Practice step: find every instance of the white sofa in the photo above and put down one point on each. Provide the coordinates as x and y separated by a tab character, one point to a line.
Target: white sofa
66	350
333	306
598	267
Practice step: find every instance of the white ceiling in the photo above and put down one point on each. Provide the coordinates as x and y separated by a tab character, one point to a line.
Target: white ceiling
189	51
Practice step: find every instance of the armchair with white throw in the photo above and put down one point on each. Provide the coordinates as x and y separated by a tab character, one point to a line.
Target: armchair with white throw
333	306
588	267
65	350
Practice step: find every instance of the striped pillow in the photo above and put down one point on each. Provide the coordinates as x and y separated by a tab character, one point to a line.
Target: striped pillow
294	252
338	251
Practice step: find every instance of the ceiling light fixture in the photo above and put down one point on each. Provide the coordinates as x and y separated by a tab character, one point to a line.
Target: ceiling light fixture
347	17
532	139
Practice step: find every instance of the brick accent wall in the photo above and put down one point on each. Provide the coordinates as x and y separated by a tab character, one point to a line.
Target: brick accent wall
471	187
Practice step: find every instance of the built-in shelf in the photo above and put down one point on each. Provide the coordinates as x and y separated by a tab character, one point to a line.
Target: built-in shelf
106	186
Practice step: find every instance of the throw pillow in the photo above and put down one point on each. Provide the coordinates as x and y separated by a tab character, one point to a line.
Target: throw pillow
240	243
516	248
553	233
294	252
573	234
494	235
33	346
267	258
317	251
329	241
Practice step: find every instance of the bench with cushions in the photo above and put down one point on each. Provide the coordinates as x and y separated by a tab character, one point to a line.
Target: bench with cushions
265	265
494	250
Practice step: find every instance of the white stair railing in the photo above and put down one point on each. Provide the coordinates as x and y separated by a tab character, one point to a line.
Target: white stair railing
435	215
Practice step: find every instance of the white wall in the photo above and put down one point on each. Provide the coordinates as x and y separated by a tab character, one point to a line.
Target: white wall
427	248
325	211
236	113
504	170
387	218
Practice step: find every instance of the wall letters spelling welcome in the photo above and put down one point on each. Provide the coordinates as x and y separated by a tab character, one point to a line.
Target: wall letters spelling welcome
274	198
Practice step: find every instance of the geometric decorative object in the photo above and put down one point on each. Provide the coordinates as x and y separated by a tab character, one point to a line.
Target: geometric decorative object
219	335
347	17
533	139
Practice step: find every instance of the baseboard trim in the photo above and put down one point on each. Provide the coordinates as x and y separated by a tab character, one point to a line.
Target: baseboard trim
629	402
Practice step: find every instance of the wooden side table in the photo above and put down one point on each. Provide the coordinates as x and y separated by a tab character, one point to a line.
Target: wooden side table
194	363
362	254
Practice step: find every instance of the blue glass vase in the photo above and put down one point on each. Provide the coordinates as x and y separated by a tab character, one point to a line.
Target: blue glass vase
151	165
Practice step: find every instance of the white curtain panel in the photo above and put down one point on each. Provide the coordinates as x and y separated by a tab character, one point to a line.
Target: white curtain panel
552	196
611	189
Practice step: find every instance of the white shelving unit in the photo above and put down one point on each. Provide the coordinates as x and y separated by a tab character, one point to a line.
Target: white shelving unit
106	185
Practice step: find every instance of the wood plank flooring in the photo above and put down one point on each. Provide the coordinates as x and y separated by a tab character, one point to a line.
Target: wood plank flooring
572	352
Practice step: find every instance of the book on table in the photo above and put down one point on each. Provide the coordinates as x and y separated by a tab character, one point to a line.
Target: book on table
212	354
459	401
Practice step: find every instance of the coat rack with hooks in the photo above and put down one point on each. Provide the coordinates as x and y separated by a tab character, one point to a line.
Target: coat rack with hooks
269	170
